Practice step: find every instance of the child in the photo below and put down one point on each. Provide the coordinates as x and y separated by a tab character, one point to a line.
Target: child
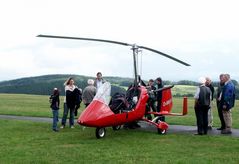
55	103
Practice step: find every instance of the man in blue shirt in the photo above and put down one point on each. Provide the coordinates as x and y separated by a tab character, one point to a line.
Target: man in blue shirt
227	103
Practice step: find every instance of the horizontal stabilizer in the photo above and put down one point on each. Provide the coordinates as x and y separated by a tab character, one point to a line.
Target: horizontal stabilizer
166	113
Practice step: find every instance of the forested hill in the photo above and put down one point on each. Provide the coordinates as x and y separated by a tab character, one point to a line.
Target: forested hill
43	85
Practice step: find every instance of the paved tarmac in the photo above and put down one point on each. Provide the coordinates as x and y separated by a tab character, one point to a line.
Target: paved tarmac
191	130
173	129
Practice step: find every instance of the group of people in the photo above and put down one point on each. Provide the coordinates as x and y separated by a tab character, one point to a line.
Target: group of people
72	99
225	99
154	101
225	102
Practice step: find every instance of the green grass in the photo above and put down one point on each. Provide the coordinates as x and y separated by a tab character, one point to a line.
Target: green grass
183	90
32	142
28	105
35	105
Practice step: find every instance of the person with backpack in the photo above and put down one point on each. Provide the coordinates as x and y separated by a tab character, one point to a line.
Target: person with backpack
201	106
55	103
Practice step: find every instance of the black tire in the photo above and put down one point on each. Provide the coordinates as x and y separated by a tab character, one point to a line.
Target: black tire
118	127
161	131
100	132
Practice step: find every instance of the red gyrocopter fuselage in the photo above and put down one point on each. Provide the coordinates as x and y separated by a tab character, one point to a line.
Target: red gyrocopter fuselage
98	114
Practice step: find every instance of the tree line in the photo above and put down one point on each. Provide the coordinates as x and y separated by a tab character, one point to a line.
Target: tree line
43	85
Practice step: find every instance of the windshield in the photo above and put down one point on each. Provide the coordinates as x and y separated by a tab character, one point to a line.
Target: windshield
103	93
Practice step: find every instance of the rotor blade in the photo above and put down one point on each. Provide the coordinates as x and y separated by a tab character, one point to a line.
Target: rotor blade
163	54
89	39
115	42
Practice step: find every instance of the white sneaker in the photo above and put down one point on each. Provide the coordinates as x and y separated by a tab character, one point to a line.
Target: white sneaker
72	127
62	127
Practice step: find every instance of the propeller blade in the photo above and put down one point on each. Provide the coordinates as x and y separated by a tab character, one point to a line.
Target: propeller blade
116	42
165	55
89	39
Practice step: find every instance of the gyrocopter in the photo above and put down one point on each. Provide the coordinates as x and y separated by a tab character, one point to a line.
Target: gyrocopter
100	114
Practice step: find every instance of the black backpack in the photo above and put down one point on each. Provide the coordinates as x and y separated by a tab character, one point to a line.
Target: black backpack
118	102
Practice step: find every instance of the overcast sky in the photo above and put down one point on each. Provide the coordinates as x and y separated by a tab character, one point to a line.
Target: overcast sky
203	33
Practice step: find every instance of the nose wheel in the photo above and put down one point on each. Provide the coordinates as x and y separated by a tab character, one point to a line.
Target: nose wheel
162	131
100	132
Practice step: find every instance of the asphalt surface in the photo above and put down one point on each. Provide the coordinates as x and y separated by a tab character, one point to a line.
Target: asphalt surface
191	130
173	129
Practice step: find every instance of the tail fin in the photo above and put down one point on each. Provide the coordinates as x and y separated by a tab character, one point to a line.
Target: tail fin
166	103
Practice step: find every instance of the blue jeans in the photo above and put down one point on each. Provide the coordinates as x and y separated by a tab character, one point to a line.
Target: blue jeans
65	113
55	119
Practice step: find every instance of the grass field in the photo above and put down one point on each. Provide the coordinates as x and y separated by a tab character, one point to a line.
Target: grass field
33	142
38	106
183	90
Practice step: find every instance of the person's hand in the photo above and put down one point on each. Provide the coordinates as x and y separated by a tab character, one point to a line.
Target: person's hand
224	107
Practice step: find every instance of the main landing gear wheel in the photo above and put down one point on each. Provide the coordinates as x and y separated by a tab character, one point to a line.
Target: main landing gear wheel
161	131
100	132
118	127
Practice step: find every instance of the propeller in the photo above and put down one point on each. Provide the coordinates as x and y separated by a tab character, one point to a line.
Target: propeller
134	47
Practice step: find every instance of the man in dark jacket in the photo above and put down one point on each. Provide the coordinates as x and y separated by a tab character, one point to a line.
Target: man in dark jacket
151	101
78	99
202	104
218	99
159	85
